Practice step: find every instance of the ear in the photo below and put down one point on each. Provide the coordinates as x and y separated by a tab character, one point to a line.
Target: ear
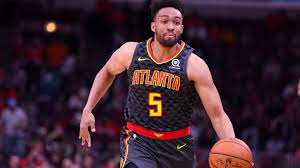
153	27
182	27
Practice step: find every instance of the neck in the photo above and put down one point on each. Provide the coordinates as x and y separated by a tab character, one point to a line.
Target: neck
161	52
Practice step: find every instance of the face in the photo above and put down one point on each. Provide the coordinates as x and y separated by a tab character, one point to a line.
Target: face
14	161
67	163
167	26
88	161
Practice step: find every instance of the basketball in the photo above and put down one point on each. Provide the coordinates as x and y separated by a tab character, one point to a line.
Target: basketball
230	152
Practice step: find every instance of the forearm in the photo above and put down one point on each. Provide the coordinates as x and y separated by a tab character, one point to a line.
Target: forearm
223	126
102	82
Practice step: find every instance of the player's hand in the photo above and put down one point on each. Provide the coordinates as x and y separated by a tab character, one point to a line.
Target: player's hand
87	119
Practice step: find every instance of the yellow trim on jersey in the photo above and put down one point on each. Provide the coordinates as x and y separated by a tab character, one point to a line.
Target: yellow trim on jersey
126	149
121	162
167	60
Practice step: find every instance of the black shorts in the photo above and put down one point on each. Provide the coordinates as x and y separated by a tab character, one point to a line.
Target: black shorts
156	153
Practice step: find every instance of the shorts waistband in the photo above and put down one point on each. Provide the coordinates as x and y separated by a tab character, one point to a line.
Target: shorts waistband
158	135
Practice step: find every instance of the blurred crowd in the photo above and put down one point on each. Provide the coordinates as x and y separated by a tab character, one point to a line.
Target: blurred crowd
255	65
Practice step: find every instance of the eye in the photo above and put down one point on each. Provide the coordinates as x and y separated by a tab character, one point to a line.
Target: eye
164	21
177	23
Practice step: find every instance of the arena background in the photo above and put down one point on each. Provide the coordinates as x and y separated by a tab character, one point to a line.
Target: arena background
51	51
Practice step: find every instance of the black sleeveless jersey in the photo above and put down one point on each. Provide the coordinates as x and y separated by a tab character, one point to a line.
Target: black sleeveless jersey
160	96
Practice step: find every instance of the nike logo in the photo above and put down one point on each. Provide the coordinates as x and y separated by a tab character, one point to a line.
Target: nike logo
180	146
143	59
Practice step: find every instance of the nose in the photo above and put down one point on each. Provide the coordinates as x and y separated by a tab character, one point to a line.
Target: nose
171	26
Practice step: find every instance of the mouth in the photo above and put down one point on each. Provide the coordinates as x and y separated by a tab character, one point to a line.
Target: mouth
169	35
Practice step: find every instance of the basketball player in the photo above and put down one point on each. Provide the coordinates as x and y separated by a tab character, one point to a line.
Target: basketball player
165	77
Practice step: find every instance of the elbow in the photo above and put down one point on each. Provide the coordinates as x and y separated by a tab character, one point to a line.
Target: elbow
104	72
217	115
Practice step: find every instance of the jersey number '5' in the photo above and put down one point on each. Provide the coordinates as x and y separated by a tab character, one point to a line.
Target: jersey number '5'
157	103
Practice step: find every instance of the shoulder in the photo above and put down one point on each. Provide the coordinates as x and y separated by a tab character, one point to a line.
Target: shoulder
121	58
128	47
195	59
125	52
196	67
130	44
195	62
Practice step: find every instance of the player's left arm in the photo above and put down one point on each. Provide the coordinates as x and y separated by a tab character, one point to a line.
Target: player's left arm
198	71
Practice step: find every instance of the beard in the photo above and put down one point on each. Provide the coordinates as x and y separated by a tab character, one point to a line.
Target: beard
167	42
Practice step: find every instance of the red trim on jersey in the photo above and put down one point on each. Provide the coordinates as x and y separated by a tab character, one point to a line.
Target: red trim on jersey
149	50
158	135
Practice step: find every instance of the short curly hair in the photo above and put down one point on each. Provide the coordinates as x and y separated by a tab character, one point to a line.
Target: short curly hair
156	5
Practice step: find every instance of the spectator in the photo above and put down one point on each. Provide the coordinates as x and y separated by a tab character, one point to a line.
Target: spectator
14	162
69	65
272	70
88	161
275	144
109	163
15	122
36	156
67	163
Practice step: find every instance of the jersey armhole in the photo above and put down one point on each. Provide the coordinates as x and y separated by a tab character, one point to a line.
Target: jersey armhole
186	79
134	57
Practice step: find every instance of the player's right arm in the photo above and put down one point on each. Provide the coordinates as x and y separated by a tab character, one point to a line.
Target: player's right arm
119	61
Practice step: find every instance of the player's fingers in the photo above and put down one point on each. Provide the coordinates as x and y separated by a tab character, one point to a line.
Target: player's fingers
83	141
84	138
79	134
82	132
93	128
89	141
252	164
